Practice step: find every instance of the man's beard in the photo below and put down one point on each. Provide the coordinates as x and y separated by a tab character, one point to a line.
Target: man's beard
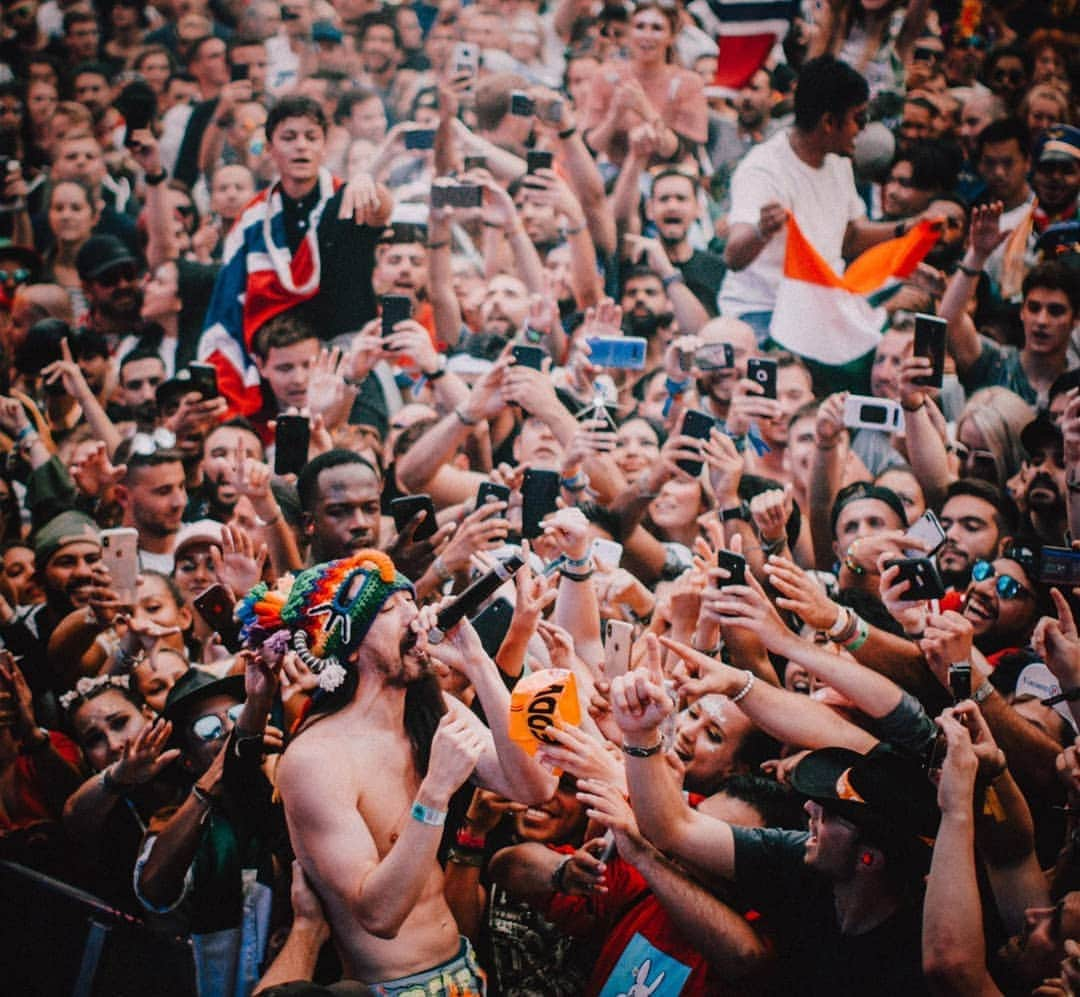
945	256
645	325
1050	501
129	311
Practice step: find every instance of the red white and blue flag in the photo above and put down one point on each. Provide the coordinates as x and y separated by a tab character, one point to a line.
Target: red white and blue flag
745	31
259	279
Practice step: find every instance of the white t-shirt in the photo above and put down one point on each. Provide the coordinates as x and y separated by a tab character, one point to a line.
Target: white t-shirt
823	200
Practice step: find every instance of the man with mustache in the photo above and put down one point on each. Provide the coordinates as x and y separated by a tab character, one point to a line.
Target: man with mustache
1043	478
367	780
978	519
141	371
1001	602
339	495
110	280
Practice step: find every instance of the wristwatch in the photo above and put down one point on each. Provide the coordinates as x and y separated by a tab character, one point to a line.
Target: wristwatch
440	369
740	511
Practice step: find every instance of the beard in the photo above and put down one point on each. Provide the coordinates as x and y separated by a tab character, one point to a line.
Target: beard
1043	495
646	326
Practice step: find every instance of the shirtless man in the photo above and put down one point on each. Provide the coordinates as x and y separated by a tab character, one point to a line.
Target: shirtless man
367	782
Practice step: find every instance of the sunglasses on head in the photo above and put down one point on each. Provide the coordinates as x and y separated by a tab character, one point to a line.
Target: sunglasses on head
20	276
148	444
110	278
1007	586
210	726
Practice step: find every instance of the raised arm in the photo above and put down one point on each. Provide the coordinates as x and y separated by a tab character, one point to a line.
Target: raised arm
161	245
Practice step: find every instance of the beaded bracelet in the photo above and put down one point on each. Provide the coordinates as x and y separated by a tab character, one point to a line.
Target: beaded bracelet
741	694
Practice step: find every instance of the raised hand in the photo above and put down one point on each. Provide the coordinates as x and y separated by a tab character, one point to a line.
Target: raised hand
66	372
455	750
560	646
485	528
1057	643
94	474
991	757
146	755
770	511
583	873
328	394
801	594
533	592
606	803
238	564
569	529
747	404
959	769
830	420
12	679
639	702
704	674
984	232
910	614
582	756
947	640
725	465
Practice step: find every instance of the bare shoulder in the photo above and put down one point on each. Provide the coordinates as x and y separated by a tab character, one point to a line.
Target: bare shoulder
305	767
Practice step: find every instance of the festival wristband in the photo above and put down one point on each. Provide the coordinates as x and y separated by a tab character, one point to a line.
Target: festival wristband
428	815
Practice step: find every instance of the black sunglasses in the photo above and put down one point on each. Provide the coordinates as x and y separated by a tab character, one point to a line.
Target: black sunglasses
114	276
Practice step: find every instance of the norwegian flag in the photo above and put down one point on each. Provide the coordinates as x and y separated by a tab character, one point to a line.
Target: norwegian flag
259	279
745	31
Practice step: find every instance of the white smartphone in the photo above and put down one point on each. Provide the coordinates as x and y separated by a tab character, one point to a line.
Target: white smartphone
466	59
619	637
927	527
866	412
607	552
120	554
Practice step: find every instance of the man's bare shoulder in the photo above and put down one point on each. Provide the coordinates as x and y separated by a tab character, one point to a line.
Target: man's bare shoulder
311	757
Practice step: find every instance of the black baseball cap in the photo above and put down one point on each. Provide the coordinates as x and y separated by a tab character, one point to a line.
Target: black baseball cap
100	254
859	490
195	686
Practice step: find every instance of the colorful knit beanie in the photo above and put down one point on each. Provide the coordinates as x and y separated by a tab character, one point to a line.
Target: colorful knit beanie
324	614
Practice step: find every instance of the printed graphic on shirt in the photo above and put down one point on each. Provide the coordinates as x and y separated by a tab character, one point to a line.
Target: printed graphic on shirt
644	971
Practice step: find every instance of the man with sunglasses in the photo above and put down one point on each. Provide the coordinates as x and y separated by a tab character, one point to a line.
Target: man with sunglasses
214	853
1001	601
1056	178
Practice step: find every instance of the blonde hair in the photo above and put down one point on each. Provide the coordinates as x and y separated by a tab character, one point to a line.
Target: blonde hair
1000	415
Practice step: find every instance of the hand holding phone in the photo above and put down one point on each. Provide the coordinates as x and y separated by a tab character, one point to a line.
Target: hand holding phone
405	508
292	438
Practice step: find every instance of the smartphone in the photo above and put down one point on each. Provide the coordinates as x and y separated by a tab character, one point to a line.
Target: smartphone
539	492
620	352
475	163
204	379
1059	566
867	412
762	371
607	552
698	425
923	575
553	112
927	527
522	105
395	308
528	356
292	437
215	605
618	641
466	59
420	138
715	356
239	72
930	342
538	159
734	564
405	508
960	681
457	196
120	554
489	490
492	623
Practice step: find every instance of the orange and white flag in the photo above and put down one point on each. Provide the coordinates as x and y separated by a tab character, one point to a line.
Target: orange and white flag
834	319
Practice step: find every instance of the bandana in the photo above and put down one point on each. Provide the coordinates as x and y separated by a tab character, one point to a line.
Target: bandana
325	613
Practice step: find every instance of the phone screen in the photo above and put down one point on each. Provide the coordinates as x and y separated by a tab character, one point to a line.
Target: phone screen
292	437
930	342
405	508
395	308
539	492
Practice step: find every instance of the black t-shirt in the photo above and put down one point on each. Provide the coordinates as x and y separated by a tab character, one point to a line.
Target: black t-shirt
815	955
345	301
704	273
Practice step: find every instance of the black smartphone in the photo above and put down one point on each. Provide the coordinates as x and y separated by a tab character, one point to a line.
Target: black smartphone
464	195
395	308
923	575
539	491
528	356
522	105
538	159
238	72
420	138
1059	566
489	490
930	342
215	605
475	163
553	112
960	681
762	371
403	509
292	437
492	623
204	379
734	564
698	425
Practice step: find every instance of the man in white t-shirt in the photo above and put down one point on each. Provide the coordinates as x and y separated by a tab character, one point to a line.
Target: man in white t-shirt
806	171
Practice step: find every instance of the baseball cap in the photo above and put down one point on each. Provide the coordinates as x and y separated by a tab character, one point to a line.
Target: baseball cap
194	686
1059	143
1037	680
99	254
202	531
1039	432
66	528
859	490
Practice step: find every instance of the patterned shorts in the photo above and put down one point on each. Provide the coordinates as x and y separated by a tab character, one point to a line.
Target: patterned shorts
459	977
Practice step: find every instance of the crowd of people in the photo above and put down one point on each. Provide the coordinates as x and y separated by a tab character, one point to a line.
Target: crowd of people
319	317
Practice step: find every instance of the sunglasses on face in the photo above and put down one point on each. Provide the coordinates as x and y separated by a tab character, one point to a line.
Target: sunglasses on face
1012	75
927	55
113	277
1007	586
967	455
211	726
20	276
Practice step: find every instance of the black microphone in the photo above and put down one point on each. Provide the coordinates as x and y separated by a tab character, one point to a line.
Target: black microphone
469	601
